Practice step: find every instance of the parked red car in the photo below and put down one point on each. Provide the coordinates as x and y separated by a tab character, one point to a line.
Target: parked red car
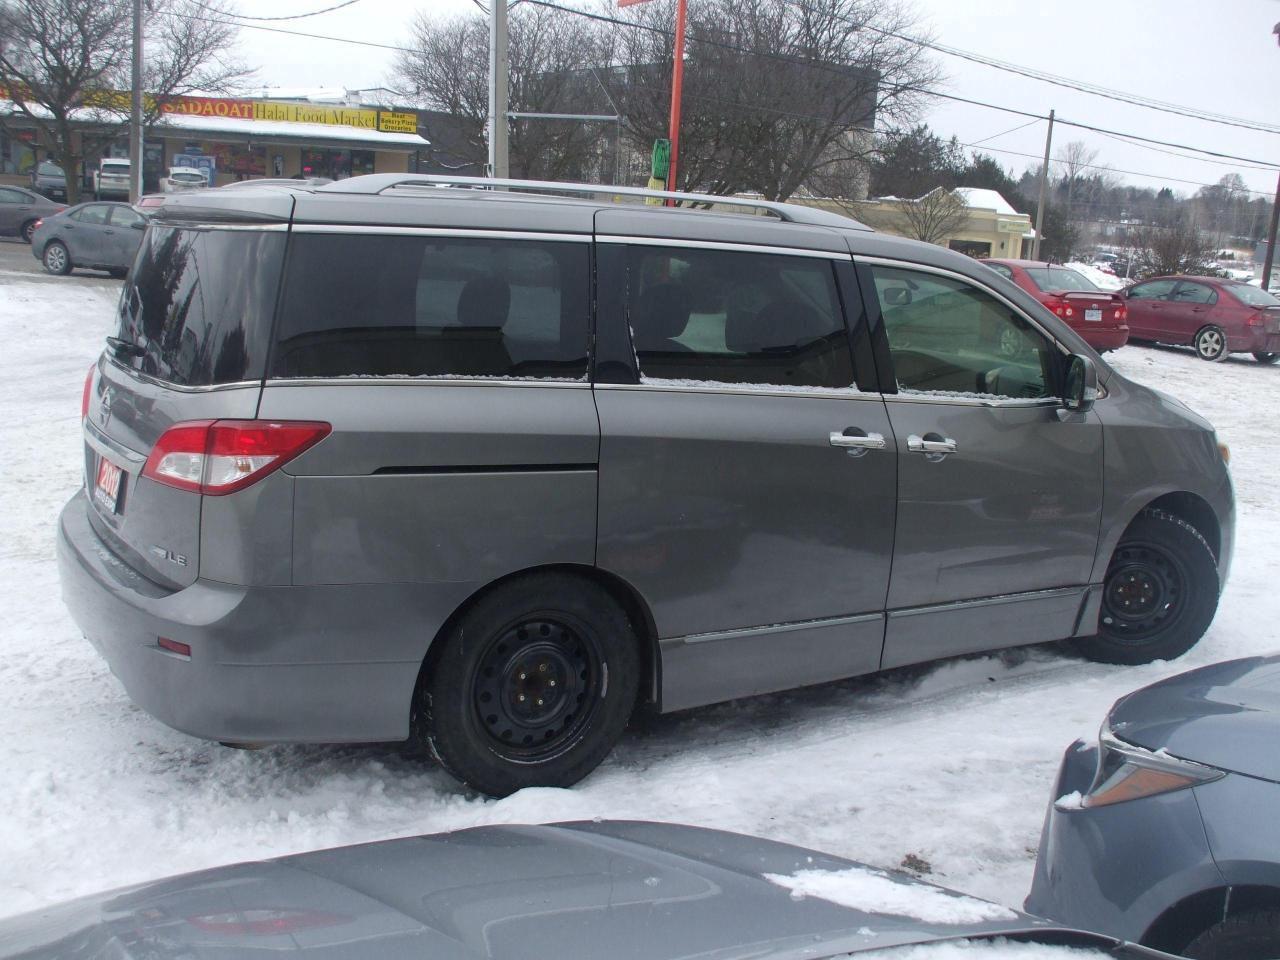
1097	315
1215	316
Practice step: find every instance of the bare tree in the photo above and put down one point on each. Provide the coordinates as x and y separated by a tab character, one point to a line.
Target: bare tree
1180	247
65	66
779	96
1074	161
934	217
552	56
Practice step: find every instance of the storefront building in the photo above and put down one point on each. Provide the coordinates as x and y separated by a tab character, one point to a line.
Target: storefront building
238	139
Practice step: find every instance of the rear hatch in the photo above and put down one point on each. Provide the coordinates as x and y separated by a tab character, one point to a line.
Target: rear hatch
194	323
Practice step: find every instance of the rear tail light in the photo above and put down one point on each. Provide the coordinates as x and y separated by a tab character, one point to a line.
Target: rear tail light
1126	772
1255	320
217	457
1061	308
88	390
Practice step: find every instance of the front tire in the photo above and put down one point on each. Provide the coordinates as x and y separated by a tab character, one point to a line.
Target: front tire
1159	595
1248	936
1211	344
1263	357
531	687
56	259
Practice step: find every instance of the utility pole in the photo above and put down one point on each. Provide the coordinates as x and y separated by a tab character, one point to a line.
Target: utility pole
499	65
677	88
1044	187
135	108
1271	238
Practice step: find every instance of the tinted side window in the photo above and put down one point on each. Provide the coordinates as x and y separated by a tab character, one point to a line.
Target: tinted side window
199	304
946	336
1155	290
94	213
728	317
414	306
1194	293
12	196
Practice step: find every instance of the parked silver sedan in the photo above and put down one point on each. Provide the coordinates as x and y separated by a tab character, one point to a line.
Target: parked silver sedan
1167	831
574	891
21	210
94	236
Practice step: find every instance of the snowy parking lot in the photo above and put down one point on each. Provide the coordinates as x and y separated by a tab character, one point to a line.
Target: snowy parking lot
944	769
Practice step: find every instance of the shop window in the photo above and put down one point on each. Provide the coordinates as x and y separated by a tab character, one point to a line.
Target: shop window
16	154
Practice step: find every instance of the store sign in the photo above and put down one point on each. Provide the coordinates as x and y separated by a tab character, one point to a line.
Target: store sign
392	122
209	107
316	113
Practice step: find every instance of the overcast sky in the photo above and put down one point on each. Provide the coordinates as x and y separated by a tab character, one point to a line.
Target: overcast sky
1217	55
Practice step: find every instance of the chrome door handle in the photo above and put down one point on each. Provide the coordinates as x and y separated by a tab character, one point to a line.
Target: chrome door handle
933	449
857	445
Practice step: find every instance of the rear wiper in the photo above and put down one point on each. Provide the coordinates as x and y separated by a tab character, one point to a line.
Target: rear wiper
125	347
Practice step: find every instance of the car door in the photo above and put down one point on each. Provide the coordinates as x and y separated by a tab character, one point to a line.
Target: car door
1147	305
1190	307
999	491
15	209
124	234
746	481
86	234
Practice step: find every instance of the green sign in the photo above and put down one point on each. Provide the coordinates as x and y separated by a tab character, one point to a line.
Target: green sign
661	158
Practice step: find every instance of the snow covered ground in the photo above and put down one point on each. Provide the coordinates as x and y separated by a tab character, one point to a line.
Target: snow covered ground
946	768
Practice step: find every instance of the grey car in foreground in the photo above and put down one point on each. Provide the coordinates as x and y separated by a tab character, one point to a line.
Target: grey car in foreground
1168	830
595	891
94	236
385	459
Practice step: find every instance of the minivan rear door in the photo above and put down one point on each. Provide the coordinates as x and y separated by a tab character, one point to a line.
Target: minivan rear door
746	480
190	345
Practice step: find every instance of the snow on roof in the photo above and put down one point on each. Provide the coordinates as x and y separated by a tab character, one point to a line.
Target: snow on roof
979	199
284	128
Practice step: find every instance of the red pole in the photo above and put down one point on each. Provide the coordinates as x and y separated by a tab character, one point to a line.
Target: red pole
677	84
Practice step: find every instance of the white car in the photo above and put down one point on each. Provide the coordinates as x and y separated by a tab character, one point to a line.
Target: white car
111	179
184	179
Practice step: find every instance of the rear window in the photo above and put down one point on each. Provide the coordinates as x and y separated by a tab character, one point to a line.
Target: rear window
115	168
421	306
1252	296
198	304
1058	278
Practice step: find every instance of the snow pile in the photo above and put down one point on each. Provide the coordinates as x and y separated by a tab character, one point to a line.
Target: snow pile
1099	278
997	949
874	892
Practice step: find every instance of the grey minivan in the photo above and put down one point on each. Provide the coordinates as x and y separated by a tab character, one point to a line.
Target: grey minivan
486	469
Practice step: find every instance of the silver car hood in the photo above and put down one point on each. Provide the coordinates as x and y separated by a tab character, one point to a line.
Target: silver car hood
588	890
1226	715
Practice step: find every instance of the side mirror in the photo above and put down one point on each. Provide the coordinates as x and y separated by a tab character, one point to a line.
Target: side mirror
139	225
1082	384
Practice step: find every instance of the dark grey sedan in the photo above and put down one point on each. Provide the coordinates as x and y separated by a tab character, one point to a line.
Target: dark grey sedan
1167	831
22	209
95	236
577	891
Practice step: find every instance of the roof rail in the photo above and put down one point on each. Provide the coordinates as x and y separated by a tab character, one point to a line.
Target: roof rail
377	183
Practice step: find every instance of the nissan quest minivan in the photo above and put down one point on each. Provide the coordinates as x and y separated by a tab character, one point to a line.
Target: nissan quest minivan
489	469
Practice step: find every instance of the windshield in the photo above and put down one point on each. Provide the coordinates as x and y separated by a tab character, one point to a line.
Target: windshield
192	175
1058	278
1252	296
50	170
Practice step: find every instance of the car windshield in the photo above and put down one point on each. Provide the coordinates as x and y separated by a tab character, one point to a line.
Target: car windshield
193	175
50	170
1058	278
1252	296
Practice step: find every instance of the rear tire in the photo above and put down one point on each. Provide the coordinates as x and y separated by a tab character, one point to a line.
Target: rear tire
1159	595
1211	343
28	229
1263	357
56	259
1249	936
531	687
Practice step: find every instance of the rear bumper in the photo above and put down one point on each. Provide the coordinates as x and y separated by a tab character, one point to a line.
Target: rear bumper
321	664
1255	342
1103	338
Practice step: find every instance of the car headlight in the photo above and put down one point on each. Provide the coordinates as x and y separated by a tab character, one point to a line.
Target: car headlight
1127	772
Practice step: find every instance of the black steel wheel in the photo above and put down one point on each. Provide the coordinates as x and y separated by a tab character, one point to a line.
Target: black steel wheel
1159	595
1247	936
1263	357
531	686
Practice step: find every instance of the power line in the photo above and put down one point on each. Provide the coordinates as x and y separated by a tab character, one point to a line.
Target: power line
996	136
295	16
1043	76
1185	156
291	33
